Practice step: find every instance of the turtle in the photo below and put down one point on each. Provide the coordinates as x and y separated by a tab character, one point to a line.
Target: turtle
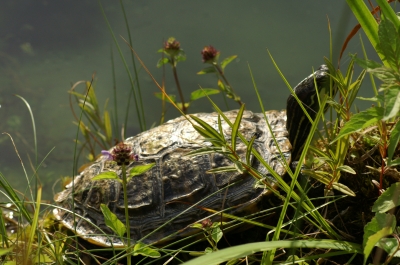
163	196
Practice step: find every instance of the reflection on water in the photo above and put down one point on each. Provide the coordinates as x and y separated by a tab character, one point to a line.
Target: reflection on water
45	46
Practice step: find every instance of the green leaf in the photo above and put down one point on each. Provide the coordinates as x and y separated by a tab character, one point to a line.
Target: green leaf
393	141
249	150
210	131
159	95
390	245
347	169
221	86
107	175
92	97
100	135
79	95
385	74
243	250
202	93
205	151
360	121
216	234
179	104
366	20
236	126
112	221
107	126
196	253
380	226
388	200
14	197
88	107
326	178
138	170
388	12
202	132
343	189
162	61
373	99
392	102
355	87
43	258
35	221
394	163
144	250
207	70
389	42
366	64
220	129
239	167
89	110
84	130
341	151
197	225
181	56
228	60
5	251
208	250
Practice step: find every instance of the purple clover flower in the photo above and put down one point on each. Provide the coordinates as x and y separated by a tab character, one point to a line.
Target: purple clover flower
209	54
107	156
121	153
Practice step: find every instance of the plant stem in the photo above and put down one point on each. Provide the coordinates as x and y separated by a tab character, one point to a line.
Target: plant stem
127	224
221	73
178	86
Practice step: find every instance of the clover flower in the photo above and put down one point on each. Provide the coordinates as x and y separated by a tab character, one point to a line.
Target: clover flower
206	223
172	44
209	54
121	153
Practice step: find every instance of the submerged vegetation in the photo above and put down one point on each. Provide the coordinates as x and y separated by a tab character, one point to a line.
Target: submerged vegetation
342	209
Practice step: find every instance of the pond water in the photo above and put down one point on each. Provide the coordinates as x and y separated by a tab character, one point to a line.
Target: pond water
45	46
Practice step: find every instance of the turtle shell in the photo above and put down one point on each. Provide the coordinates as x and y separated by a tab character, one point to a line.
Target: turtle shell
165	195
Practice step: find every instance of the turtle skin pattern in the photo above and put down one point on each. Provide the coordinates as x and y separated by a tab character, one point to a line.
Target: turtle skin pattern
176	182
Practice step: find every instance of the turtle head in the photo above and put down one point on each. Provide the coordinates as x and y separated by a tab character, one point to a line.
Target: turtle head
297	124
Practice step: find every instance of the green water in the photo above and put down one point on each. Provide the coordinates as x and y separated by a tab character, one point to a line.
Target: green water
45	46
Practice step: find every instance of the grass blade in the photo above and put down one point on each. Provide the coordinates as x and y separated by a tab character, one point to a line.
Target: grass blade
207	129
249	148
35	222
140	115
3	231
133	63
107	125
248	249
33	125
221	131
236	125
